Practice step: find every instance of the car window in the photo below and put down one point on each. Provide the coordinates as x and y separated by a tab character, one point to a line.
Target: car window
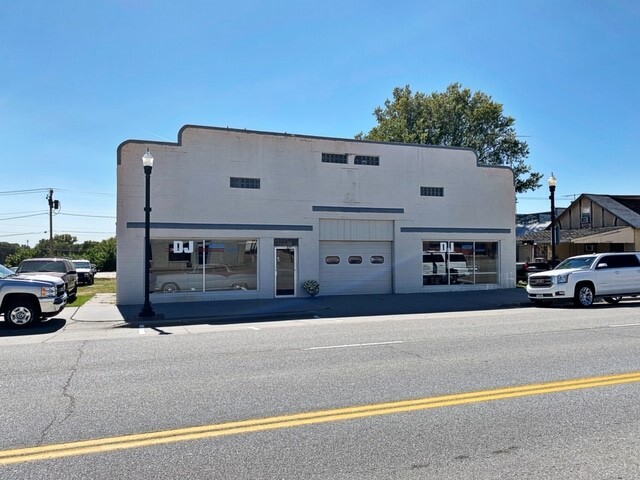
619	261
5	272
42	266
58	267
576	262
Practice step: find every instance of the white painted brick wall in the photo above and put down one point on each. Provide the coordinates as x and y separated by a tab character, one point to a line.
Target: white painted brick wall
190	183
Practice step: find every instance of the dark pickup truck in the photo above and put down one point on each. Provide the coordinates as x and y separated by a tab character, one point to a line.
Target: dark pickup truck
524	269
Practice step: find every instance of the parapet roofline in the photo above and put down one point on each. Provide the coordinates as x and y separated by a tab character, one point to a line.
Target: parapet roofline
294	135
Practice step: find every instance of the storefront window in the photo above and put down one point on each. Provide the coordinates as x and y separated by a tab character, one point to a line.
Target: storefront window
203	265
450	263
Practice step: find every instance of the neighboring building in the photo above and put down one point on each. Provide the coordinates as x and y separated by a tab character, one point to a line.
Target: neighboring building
246	214
591	224
532	223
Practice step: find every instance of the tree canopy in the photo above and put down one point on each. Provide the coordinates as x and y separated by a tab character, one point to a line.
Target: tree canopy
456	118
103	253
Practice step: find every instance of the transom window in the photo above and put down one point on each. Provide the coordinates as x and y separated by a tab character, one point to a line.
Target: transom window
240	182
334	158
366	160
432	191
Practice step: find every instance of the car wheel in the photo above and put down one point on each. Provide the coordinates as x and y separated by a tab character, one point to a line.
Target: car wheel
21	313
73	295
612	300
584	295
170	288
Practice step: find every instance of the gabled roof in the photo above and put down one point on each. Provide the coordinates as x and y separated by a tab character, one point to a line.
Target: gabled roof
544	236
625	207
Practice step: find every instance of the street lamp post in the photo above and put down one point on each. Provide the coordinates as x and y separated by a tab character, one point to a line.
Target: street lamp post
552	197
147	162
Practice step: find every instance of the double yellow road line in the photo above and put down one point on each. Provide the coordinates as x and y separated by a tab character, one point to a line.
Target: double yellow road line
295	420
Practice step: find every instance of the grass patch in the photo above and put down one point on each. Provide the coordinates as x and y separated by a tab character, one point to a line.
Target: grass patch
86	292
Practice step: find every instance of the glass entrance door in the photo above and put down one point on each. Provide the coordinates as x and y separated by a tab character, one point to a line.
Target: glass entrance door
285	271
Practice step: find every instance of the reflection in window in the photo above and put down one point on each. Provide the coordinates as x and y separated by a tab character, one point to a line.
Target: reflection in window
203	265
469	262
332	260
377	259
355	260
366	160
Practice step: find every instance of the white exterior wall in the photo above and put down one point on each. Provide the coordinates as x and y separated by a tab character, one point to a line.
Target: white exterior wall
190	185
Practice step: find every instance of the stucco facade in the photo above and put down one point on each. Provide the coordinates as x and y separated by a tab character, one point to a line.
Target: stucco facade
245	214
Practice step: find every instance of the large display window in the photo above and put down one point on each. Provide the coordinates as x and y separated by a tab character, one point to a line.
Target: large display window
450	262
191	265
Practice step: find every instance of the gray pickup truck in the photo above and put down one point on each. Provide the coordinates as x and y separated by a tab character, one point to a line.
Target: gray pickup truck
24	301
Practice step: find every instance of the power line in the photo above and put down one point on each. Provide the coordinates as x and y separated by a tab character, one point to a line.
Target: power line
20	213
24	192
85	231
59	213
86	193
40	190
23	216
84	215
20	234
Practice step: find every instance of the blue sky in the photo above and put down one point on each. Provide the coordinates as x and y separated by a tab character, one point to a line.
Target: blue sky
80	77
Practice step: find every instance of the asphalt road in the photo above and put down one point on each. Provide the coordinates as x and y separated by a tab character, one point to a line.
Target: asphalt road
289	383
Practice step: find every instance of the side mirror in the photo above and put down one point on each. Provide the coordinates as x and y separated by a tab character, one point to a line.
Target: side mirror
602	265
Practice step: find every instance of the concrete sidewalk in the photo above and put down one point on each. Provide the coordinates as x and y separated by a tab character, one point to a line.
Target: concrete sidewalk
102	307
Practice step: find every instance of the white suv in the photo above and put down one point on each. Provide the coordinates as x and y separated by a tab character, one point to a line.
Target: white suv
585	278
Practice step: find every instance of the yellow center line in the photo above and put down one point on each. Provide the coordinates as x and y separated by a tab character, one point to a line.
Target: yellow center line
109	444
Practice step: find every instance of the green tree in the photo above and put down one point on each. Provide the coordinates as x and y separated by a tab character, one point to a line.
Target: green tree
63	246
103	254
456	118
7	249
20	254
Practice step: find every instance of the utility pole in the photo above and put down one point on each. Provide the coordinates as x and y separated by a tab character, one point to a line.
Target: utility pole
53	204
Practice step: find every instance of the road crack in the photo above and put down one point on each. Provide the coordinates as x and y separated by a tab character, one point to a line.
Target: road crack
67	395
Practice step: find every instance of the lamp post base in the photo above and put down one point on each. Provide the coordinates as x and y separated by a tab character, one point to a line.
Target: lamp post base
147	311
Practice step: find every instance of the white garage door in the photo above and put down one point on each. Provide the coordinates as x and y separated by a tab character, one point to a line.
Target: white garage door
355	267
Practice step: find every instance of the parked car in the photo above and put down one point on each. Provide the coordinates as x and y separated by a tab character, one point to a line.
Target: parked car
24	300
84	271
215	277
524	269
585	278
437	265
58	267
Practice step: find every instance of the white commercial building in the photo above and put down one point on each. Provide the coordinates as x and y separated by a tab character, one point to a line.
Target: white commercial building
246	214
